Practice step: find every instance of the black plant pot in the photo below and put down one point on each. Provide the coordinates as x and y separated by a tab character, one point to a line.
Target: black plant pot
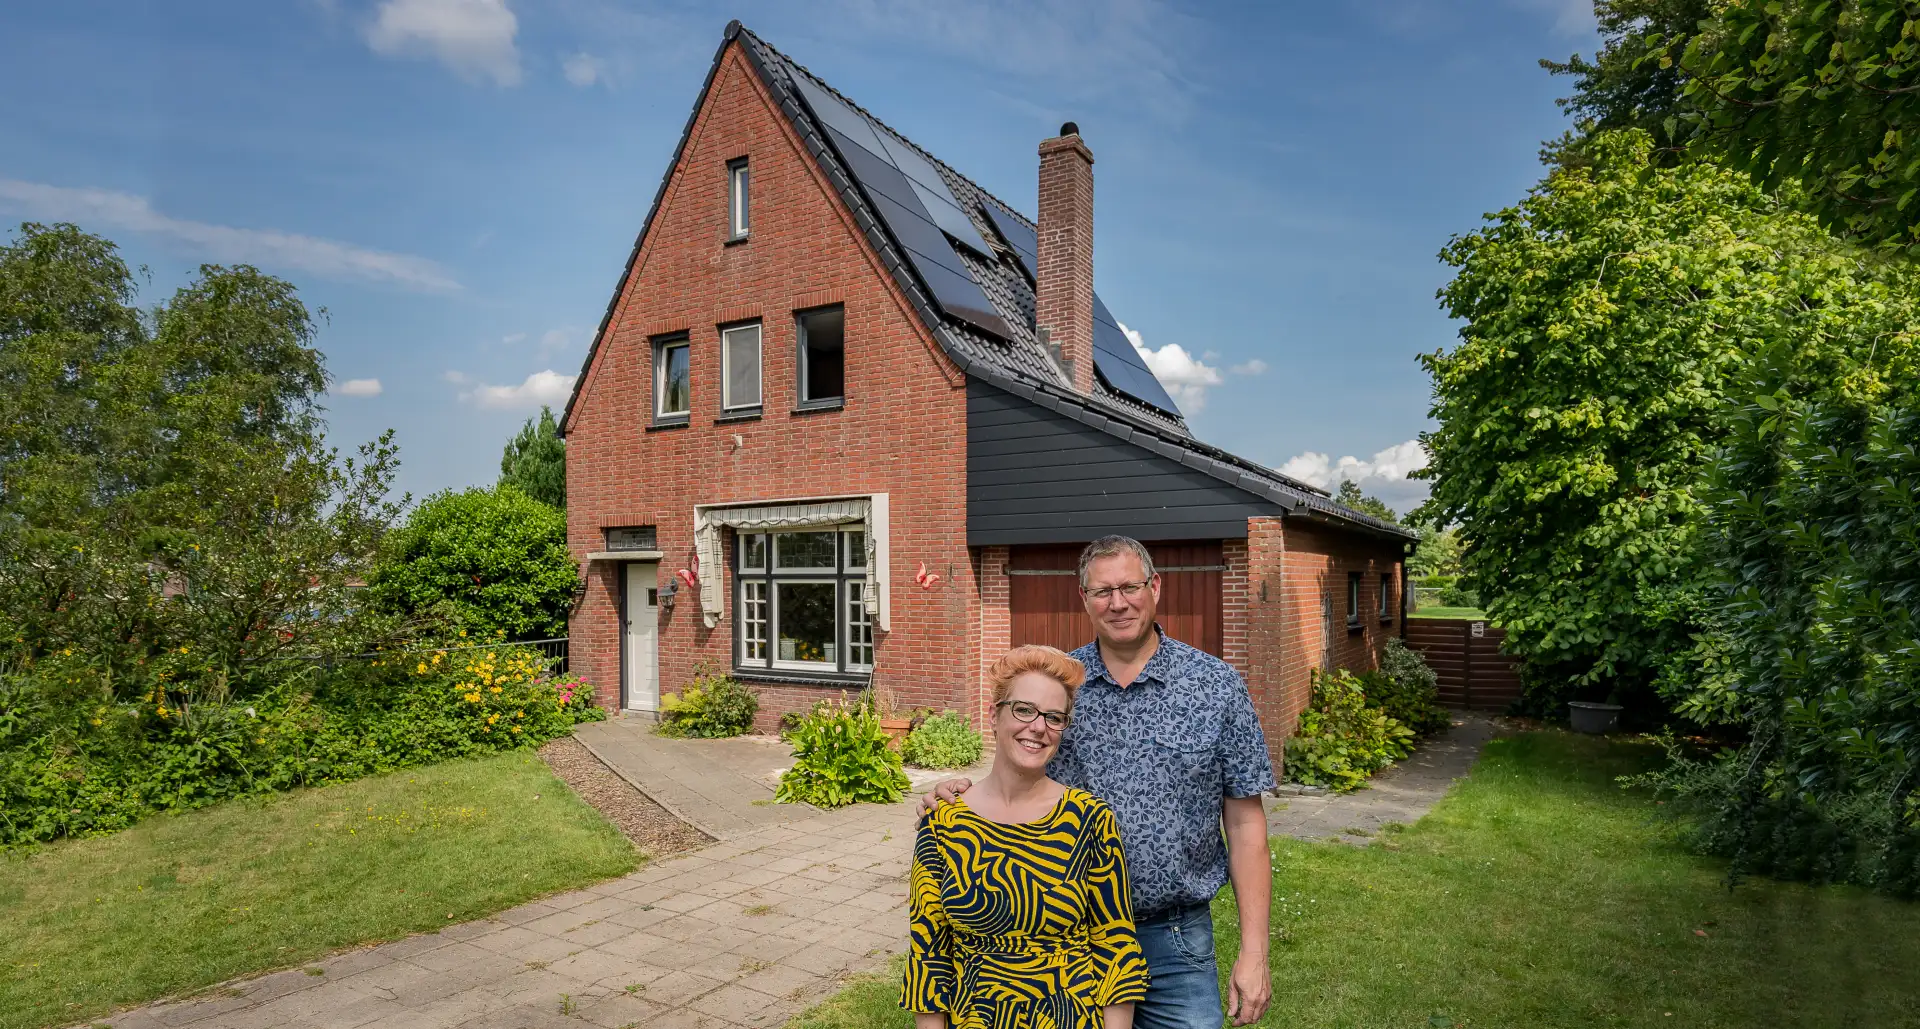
1593	718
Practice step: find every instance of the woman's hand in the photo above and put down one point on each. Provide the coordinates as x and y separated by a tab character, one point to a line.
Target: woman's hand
1114	1016
933	1020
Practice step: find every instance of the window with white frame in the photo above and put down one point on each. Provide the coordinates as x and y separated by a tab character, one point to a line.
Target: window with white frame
672	380
802	602
737	180
740	367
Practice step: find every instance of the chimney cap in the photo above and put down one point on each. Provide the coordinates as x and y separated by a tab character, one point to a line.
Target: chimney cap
1069	129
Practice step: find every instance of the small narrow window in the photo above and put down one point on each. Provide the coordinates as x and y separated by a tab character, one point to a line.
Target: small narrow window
823	356
1353	598
740	367
672	389
1386	593
737	179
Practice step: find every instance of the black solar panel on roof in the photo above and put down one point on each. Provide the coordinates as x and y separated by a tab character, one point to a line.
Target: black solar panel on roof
1018	235
1116	361
934	193
903	204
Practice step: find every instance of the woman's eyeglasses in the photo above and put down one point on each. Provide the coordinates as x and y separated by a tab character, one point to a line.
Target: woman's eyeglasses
1103	594
1025	712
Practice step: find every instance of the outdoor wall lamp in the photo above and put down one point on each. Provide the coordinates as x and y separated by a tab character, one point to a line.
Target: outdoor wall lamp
667	593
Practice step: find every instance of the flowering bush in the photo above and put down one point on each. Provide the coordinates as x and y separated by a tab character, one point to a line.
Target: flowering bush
74	761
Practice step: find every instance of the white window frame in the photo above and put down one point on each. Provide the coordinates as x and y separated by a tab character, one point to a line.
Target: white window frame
757	610
751	618
727	400
739	199
859	625
660	362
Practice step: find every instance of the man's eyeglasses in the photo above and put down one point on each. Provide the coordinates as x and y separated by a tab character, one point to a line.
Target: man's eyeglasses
1103	594
1025	712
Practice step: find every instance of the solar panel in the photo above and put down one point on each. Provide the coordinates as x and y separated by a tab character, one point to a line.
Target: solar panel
939	200
1018	235
836	115
1120	364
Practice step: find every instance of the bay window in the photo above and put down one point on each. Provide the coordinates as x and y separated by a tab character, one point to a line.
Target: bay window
801	602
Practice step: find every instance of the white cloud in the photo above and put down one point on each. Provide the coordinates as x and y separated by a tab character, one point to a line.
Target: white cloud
584	69
102	208
358	388
472	37
555	339
1185	377
1253	367
544	387
1384	476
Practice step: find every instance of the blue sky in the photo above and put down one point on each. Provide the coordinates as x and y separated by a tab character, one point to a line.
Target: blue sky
458	182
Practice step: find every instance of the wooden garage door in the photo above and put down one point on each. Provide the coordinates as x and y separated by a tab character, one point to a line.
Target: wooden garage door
1046	594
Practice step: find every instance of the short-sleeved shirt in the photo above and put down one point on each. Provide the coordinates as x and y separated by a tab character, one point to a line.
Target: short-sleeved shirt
1163	752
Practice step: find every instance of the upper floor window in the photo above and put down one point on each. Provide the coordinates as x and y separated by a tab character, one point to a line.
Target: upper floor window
823	349
737	181
740	367
672	385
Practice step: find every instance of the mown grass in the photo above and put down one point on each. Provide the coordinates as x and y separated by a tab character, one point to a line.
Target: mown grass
178	903
1539	893
1472	613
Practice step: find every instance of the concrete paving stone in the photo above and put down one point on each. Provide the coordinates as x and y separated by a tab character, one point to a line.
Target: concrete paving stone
439	1014
507	939
558	922
595	932
732	1002
346	963
677	988
720	888
620	1010
436	987
682	955
635	972
681	899
387	976
786	865
536	986
201	1009
687	1018
279	984
822	959
460	955
592	966
679	927
721	937
643	893
350	1015
467	930
526	913
522	1016
642	916
878	900
544	950
782	981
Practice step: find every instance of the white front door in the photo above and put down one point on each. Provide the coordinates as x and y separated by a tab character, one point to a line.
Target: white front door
639	638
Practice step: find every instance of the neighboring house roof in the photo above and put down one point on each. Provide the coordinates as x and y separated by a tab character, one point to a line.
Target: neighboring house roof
1018	363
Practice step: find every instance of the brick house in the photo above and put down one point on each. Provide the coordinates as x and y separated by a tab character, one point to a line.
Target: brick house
849	419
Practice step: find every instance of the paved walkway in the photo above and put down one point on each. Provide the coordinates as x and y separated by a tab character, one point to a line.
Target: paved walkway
1400	794
742	934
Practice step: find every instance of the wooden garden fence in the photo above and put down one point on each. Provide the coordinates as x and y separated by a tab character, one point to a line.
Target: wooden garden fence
1474	672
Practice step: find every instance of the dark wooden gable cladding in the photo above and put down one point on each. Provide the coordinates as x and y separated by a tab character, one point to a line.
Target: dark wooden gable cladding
1035	476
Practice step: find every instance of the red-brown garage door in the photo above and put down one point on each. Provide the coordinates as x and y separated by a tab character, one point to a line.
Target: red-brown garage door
1046	594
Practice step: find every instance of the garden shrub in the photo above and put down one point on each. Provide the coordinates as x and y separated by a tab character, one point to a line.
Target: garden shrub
1406	690
942	741
490	559
1341	741
70	766
841	756
711	707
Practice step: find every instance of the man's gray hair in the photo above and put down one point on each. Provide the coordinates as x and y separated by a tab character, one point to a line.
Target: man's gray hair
1114	546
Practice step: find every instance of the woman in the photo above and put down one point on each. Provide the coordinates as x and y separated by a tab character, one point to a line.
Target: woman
1021	918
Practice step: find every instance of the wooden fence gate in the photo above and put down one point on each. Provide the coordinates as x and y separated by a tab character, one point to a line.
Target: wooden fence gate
1474	672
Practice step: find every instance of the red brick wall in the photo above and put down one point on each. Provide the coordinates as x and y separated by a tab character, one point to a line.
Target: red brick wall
901	432
992	622
1291	565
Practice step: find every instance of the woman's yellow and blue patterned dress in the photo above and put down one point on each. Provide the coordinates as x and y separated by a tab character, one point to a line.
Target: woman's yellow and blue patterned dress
1022	926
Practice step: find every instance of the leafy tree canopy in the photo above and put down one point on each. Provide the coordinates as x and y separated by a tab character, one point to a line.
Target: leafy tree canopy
1822	93
536	460
1349	494
1605	316
493	560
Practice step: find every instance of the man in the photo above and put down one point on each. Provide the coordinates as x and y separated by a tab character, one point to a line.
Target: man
1168	737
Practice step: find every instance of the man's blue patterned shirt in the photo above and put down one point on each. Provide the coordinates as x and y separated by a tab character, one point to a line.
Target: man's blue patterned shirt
1163	752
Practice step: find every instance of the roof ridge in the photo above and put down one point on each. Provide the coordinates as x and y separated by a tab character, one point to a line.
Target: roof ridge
850	102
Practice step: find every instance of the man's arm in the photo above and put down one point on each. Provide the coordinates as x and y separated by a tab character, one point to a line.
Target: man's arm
1250	868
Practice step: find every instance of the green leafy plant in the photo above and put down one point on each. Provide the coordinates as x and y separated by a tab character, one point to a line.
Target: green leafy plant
842	756
1341	741
712	706
535	460
942	741
490	559
1406	689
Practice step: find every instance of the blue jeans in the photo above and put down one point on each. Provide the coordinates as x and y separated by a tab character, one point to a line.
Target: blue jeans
1184	992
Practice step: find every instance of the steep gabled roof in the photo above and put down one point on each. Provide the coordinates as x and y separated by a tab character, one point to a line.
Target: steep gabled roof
1017	363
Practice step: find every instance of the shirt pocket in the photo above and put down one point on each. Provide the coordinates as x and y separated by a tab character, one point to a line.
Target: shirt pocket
1188	751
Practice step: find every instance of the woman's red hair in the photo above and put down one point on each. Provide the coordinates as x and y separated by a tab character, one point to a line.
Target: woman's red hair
1033	657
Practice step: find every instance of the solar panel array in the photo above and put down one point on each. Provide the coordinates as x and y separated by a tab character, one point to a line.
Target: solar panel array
1113	354
911	197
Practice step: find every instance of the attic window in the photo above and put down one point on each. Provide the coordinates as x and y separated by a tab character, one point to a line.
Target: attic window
737	180
823	356
740	368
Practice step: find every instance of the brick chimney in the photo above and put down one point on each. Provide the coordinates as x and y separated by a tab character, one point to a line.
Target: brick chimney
1064	293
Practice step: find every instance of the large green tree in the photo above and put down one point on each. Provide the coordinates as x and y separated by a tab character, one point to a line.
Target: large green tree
1606	319
1822	93
535	460
491	560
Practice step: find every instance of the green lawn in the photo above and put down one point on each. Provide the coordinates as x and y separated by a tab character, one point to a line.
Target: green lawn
1449	612
177	903
1541	894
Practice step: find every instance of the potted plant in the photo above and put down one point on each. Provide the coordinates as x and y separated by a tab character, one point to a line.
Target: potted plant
1595	717
897	724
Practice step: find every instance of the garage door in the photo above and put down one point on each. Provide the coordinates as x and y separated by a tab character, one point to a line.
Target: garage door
1046	594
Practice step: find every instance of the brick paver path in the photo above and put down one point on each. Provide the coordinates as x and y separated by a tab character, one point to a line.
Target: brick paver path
744	933
1400	794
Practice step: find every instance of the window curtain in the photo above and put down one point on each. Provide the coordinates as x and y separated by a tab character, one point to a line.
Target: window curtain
868	513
